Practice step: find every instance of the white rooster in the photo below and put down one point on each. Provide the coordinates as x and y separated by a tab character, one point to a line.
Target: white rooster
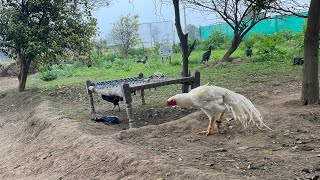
211	100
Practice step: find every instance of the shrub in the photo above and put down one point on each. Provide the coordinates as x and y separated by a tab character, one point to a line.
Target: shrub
48	75
217	40
176	63
176	48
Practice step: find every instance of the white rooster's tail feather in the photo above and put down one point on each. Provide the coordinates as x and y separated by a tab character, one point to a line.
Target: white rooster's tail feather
243	109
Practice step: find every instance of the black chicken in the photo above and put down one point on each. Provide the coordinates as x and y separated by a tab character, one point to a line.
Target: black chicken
249	52
206	55
113	99
143	60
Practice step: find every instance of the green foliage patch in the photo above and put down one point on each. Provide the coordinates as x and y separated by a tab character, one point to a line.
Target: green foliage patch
273	67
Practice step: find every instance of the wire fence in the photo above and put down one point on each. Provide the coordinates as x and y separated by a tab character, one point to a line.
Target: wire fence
154	33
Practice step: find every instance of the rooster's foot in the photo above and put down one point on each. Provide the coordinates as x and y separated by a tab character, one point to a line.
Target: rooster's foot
209	132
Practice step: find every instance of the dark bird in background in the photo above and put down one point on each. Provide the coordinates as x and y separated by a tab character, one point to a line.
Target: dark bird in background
249	52
297	61
206	55
143	60
113	99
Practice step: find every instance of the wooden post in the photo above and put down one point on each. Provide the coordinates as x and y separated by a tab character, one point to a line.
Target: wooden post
196	82
142	97
140	76
128	100
89	92
185	86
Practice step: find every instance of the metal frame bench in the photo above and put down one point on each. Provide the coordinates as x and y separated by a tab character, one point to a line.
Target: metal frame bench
125	89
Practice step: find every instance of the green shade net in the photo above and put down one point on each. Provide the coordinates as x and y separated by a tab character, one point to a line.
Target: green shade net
268	26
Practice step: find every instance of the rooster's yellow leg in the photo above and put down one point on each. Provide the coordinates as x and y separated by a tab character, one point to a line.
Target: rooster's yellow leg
209	129
218	122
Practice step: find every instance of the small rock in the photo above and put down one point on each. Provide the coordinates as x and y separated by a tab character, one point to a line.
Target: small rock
252	166
222	131
312	177
302	131
180	159
220	150
194	139
272	136
318	155
299	142
287	133
316	167
229	119
210	164
306	148
306	170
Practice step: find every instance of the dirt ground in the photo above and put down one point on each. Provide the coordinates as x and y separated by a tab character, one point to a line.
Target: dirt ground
48	134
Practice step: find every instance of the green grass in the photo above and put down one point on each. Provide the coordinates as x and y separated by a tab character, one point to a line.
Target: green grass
239	73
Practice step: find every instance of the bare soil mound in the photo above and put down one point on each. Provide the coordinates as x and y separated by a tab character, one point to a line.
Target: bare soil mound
45	135
13	69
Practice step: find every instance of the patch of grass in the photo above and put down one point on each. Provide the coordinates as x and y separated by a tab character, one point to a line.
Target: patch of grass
242	72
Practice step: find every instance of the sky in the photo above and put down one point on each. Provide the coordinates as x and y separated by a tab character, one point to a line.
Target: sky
148	11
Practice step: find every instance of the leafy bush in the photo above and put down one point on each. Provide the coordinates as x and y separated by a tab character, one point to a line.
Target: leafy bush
176	48
137	52
48	75
249	42
217	40
275	47
120	64
176	63
110	57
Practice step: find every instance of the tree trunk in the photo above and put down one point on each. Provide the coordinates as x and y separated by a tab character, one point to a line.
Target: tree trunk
23	74
310	79
184	45
234	45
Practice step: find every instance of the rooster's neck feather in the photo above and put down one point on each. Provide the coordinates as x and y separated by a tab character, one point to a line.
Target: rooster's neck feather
184	100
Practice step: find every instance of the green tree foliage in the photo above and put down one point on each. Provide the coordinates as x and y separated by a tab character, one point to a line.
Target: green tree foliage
125	33
40	30
243	15
217	40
